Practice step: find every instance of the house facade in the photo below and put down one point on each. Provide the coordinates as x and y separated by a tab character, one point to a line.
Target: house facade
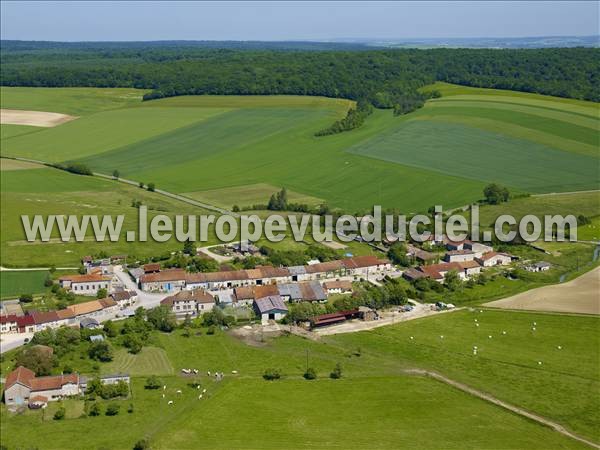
22	385
88	284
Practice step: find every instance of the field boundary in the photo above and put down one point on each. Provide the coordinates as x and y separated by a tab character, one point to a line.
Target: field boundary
491	399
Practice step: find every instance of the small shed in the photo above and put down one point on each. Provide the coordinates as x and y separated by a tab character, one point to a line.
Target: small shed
89	323
97	338
270	308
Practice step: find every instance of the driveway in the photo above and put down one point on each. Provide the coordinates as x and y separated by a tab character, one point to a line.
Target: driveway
146	300
9	341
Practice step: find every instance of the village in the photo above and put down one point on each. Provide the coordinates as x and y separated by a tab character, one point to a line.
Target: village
266	292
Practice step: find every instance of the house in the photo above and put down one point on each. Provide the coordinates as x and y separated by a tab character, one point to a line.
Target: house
541	266
151	268
22	385
44	320
93	308
309	291
8	324
25	324
438	271
170	280
491	259
413	274
246	295
102	267
365	265
124	298
189	303
338	287
420	255
477	247
11	307
459	255
470	268
454	245
88	284
270	308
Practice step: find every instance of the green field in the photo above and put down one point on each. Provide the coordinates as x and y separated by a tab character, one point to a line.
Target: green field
589	232
444	153
150	361
375	399
13	284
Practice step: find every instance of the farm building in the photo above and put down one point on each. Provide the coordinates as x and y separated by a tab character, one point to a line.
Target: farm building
338	287
170	280
22	385
459	256
541	266
270	308
86	284
8	323
494	259
151	268
89	323
478	247
246	295
189	303
333	318
124	298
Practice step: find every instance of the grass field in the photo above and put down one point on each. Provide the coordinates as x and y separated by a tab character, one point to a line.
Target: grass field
589	232
375	399
150	361
13	284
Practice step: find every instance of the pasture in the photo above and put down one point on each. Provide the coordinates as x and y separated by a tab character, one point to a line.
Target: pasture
15	283
150	361
402	409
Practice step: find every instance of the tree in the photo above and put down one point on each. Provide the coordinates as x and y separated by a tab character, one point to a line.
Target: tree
495	194
95	410
26	298
38	359
102	293
337	372
60	413
151	187
310	374
397	254
116	174
152	382
235	208
141	185
112	409
162	318
188	247
110	328
452	281
100	351
134	343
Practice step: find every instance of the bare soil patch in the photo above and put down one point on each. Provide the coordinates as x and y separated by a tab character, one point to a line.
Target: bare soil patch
581	295
33	118
13	164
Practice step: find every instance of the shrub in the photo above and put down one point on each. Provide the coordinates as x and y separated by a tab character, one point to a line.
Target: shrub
95	410
310	374
112	409
272	374
337	372
142	444
60	413
130	409
152	382
151	187
26	298
211	330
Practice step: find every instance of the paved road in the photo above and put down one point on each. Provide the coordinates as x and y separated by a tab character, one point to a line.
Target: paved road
9	341
146	300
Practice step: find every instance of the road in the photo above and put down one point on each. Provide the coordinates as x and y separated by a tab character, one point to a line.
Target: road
9	341
146	300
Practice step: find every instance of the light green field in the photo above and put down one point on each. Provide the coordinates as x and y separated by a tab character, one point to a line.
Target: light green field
253	194
375	397
589	232
13	284
150	361
8	131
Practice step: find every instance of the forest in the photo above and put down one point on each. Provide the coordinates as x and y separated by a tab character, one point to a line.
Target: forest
384	78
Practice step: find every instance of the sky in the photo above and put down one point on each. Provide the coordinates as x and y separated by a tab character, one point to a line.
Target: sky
272	21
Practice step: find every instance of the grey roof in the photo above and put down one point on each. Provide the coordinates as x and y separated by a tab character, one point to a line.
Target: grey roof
87	321
271	303
291	290
225	297
542	264
115	375
297	270
136	272
97	338
319	292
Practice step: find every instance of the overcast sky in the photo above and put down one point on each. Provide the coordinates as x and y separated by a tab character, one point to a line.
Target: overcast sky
126	21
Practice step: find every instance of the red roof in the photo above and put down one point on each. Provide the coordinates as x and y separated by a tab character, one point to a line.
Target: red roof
40	317
197	295
11	318
20	375
84	278
363	261
24	321
53	382
165	275
491	255
154	267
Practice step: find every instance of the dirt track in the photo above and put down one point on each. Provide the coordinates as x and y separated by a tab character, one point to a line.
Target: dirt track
581	295
33	118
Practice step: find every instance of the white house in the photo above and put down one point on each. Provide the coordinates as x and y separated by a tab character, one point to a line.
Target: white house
190	303
270	308
22	386
459	256
541	266
338	287
88	284
491	259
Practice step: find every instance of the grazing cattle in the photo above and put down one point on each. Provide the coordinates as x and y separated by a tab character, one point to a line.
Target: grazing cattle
163	395
203	391
164	387
179	391
234	372
208	373
170	402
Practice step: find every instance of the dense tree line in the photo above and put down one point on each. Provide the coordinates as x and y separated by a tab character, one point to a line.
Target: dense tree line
385	78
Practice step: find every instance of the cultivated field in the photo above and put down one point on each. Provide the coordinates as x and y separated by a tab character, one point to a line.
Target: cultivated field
13	284
215	144
33	118
581	295
150	361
